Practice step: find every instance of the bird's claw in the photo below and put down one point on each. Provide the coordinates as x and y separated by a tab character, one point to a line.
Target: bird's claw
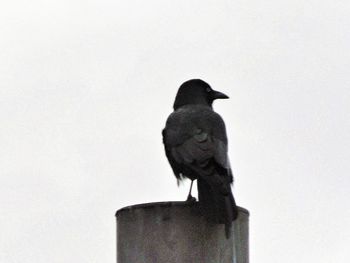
191	199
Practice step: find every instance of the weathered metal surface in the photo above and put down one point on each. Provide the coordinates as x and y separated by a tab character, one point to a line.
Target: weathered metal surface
175	232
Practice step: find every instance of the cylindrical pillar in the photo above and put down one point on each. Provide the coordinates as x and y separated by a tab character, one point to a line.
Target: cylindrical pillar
175	232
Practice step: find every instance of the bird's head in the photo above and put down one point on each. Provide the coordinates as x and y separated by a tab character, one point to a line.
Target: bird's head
196	91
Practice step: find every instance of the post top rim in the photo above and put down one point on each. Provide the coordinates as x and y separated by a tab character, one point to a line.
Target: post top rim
166	204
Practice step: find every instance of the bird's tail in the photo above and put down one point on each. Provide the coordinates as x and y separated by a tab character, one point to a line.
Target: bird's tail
216	201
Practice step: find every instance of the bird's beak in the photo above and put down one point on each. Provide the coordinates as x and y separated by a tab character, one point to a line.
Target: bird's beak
218	95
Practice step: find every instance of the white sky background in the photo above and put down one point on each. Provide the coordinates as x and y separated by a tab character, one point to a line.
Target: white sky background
86	87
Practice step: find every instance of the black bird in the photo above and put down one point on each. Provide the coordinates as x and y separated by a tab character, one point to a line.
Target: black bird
195	144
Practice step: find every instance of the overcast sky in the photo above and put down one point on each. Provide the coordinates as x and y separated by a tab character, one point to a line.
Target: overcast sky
86	87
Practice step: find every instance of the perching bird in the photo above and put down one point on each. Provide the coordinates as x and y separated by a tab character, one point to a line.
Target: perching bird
195	144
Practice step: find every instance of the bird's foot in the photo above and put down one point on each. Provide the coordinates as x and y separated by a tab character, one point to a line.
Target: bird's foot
191	199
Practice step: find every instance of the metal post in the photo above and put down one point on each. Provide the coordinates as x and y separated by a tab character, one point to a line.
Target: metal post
175	232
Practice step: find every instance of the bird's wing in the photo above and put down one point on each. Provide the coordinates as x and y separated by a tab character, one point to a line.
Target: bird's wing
173	163
197	143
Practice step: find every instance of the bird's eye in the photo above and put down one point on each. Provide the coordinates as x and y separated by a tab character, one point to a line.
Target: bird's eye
208	89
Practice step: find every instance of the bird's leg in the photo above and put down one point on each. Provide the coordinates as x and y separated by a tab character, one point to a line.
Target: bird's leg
189	193
190	198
